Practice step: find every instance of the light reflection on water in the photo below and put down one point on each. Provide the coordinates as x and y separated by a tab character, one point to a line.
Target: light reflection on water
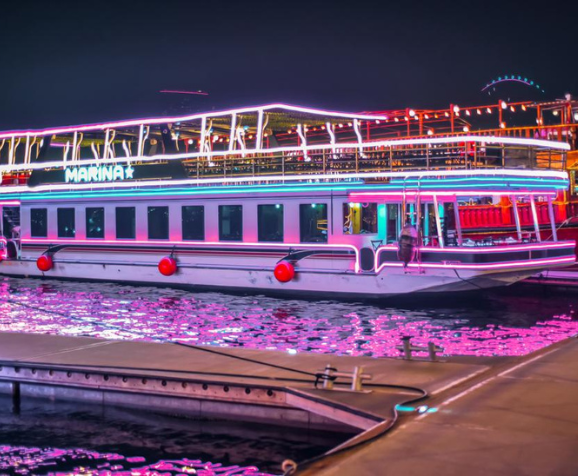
500	324
47	437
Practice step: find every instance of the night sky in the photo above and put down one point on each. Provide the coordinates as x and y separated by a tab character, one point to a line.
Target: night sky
85	61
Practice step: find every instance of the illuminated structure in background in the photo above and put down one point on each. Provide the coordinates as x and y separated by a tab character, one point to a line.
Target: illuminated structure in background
286	199
511	78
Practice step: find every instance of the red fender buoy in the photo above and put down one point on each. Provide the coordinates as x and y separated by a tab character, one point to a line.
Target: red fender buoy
284	272
44	263
168	266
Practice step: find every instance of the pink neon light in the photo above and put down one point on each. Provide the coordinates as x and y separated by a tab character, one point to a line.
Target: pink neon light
488	249
333	147
361	196
156	120
508	264
196	243
9	202
281	178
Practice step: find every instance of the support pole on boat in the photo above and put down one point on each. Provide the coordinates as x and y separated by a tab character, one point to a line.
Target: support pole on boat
259	138
535	217
301	132
438	221
143	136
458	222
233	132
552	219
514	201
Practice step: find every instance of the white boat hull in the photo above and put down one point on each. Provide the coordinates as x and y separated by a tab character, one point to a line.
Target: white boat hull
389	282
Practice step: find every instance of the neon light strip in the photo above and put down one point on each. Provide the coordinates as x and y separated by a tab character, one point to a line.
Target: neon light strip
308	148
170	243
192	117
281	178
9	202
510	264
335	187
364	197
490	249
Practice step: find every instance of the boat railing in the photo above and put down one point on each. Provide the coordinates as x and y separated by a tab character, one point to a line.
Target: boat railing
467	155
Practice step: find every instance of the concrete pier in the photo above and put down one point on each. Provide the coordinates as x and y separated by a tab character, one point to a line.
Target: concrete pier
251	385
521	418
498	416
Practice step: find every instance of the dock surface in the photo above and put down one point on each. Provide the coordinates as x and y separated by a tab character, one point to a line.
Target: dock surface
521	421
497	416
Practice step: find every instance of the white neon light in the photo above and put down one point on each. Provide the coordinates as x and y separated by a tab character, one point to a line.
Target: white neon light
66	151
233	132
331	133
125	148
259	138
333	147
192	117
312	177
94	152
359	138
301	134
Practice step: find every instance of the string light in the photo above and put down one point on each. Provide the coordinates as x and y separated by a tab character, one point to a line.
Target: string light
488	110
502	125
411	113
466	129
467	112
555	113
479	112
503	104
456	109
523	107
512	108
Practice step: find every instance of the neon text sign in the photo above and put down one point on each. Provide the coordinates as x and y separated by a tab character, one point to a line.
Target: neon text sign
98	173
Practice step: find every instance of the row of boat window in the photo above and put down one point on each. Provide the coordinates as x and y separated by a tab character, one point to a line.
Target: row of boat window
312	222
357	219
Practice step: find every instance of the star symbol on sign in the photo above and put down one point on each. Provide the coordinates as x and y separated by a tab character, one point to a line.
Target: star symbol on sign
128	171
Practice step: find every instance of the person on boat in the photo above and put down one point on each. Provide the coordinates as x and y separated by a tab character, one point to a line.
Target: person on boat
407	243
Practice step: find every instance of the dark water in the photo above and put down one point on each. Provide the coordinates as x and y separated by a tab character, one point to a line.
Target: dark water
504	323
69	439
63	438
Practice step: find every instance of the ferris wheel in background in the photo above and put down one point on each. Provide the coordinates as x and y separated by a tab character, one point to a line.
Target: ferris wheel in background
495	85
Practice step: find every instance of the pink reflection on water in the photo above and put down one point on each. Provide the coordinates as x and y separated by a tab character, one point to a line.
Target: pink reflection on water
61	462
153	314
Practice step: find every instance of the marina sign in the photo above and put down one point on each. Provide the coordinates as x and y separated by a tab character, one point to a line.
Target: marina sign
98	173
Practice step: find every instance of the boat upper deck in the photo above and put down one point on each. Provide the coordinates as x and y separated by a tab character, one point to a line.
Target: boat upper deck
276	142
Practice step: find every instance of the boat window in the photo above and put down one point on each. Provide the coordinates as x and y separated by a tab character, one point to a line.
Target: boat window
393	222
359	218
95	222
125	222
313	222
158	219
270	222
39	222
230	222
66	226
193	222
